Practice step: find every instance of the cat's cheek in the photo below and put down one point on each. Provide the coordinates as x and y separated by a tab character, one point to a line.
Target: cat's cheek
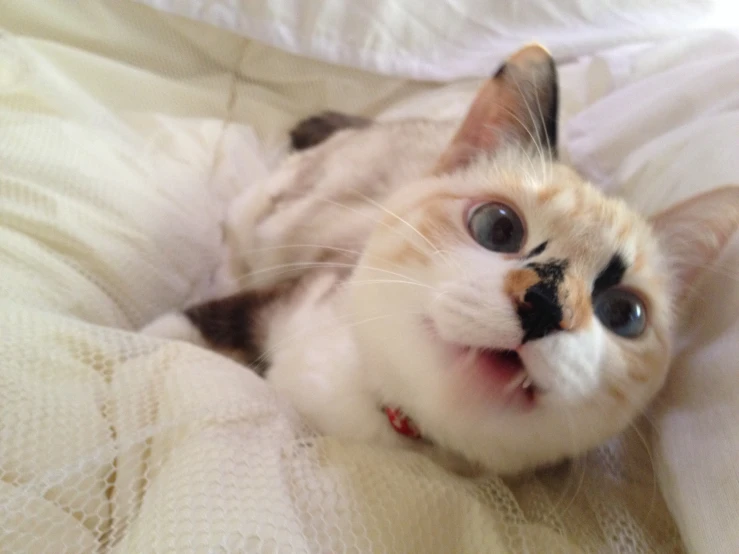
464	319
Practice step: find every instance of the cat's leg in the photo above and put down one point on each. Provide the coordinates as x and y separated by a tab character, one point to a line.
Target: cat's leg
316	129
233	326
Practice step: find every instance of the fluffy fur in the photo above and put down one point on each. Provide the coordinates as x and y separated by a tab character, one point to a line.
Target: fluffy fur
386	300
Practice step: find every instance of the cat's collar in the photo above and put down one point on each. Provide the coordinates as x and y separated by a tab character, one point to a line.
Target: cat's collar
402	424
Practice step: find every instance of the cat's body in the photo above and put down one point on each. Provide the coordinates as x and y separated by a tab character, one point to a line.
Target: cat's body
322	203
458	275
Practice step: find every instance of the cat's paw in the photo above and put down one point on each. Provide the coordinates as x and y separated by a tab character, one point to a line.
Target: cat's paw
176	326
316	129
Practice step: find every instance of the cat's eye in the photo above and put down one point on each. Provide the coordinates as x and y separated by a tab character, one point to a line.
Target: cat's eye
496	227
621	311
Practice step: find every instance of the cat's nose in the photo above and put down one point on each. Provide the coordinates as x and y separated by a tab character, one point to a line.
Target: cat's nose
539	312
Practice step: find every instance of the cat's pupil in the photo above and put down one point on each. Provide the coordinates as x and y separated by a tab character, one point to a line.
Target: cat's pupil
496	227
502	231
621	311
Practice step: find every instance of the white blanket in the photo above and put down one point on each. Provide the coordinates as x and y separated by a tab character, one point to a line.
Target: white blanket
123	135
451	38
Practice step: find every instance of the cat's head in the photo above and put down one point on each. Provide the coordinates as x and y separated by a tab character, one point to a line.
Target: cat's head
513	311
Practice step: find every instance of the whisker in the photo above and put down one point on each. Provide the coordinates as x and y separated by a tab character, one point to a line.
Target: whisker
575	463
335	265
380	281
304	331
358	253
379	221
653	469
396	216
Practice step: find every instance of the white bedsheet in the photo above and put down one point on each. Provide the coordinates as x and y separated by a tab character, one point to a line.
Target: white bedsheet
124	134
452	38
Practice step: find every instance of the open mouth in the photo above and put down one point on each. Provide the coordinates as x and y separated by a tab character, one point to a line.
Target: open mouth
501	370
507	369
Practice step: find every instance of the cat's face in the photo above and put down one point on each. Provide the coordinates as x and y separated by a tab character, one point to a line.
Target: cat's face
514	312
534	317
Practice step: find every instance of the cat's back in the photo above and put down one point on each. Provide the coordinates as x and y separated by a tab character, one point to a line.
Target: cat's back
320	205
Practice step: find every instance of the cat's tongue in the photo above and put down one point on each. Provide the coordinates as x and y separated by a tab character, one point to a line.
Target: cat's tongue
501	365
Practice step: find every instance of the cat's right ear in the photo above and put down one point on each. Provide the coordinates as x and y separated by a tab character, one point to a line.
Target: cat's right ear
694	232
518	104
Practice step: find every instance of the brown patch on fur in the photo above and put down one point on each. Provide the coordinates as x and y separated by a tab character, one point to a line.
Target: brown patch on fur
546	195
574	297
518	281
617	393
344	261
434	224
625	232
407	253
637	376
644	364
232	325
639	262
319	128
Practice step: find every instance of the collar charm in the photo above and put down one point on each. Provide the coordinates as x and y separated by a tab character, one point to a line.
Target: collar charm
402	423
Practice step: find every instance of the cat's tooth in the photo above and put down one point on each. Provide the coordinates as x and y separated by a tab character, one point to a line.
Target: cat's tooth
517	382
527	382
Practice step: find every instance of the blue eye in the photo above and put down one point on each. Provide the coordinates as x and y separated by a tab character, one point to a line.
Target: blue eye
621	311
496	227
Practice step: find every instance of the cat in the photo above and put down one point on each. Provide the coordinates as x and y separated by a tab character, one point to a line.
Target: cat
452	288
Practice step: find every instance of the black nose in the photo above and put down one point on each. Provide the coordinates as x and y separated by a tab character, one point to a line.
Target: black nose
540	312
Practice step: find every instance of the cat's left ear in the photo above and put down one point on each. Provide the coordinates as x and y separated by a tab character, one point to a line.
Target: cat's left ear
518	104
695	231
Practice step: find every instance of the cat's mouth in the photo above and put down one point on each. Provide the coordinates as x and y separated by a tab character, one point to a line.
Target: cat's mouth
502	370
506	371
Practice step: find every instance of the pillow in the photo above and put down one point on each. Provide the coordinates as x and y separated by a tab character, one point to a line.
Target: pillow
457	38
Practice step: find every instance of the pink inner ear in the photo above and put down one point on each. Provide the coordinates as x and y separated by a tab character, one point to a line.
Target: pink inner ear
491	112
695	231
518	103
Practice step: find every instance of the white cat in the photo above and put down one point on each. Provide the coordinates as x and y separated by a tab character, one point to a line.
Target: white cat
454	289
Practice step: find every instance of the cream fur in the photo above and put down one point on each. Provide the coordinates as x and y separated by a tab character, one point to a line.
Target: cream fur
392	284
340	353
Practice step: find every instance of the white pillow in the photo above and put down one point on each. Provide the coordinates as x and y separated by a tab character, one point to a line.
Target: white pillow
450	38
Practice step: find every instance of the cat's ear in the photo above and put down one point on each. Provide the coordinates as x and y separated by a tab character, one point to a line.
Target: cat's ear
695	231
519	103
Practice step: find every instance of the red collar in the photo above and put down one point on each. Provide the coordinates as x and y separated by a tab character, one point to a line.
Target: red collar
402	423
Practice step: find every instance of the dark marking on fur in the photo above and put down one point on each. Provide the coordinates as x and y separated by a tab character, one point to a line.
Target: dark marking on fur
611	275
540	94
540	312
536	251
318	128
552	272
233	324
551	115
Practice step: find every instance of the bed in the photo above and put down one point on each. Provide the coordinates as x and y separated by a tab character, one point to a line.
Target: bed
126	128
